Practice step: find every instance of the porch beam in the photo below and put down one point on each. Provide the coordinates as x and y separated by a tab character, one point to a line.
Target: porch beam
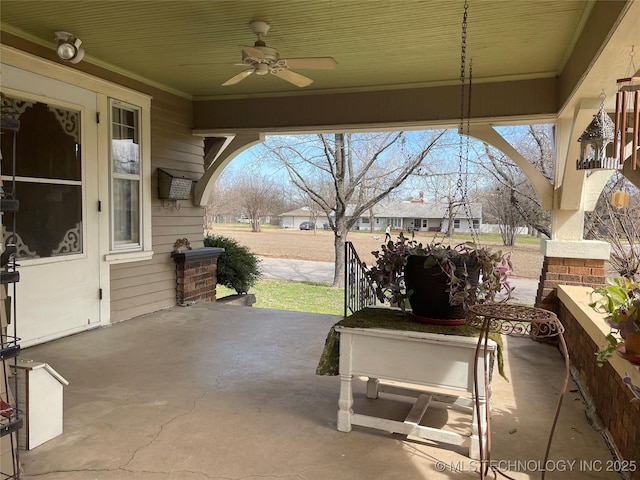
541	185
519	101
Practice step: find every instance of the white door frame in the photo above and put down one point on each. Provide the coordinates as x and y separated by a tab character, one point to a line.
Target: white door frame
104	90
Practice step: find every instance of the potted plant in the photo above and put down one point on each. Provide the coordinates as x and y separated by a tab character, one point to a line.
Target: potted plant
620	301
439	281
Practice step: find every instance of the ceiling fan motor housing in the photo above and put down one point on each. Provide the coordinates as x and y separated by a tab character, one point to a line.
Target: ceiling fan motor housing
259	27
270	55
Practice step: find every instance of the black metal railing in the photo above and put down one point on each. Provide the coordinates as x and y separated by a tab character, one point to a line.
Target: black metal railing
358	290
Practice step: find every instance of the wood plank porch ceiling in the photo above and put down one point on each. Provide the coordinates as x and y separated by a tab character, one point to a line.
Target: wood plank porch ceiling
541	48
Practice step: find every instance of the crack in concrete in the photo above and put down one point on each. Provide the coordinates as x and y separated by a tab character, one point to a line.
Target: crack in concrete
160	430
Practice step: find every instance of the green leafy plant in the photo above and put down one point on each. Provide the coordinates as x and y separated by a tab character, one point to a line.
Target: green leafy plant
620	301
237	267
494	267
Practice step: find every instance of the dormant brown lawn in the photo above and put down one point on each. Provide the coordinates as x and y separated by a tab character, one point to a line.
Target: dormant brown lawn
318	245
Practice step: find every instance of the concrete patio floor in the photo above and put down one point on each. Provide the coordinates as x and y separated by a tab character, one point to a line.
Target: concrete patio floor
217	391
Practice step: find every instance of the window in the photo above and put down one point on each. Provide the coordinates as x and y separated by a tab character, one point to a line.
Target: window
476	224
456	223
126	177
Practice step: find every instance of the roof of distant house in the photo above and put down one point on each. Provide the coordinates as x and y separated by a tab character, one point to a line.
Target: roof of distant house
401	210
426	210
302	212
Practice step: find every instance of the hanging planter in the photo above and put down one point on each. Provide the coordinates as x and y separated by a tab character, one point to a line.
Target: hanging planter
430	299
438	281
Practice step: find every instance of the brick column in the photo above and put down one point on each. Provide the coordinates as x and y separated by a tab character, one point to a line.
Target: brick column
570	263
196	274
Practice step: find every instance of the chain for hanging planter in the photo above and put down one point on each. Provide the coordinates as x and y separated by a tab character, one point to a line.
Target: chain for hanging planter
464	131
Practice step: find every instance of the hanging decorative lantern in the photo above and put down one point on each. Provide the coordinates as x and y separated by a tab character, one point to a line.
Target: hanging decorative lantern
594	141
627	126
620	199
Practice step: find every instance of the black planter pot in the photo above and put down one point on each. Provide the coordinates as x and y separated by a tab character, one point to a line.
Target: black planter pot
430	299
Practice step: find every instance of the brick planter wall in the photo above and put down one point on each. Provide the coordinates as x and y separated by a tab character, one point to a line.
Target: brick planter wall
196	274
611	397
566	271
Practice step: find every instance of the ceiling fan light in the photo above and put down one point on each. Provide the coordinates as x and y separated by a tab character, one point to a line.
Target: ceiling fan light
262	69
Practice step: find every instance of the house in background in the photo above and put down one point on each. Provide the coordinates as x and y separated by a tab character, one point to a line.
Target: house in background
293	218
422	217
405	216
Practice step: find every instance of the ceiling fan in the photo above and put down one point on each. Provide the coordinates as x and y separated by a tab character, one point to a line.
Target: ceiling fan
263	59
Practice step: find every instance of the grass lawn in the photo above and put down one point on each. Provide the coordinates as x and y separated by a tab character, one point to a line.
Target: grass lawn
294	296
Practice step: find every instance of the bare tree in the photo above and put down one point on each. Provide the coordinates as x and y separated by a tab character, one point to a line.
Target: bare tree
618	226
314	210
259	196
440	181
498	205
521	202
338	173
221	203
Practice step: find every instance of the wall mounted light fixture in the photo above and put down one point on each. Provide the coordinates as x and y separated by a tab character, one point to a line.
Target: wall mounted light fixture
69	47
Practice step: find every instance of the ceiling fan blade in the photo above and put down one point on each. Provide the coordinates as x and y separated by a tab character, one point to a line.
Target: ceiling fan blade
314	63
237	78
254	52
293	77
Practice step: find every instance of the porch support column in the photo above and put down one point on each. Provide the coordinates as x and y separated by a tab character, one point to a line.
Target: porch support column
570	263
568	258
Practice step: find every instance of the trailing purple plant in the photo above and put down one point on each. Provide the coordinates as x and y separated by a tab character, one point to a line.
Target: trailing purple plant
456	262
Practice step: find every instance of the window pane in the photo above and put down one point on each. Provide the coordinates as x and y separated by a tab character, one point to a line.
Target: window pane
47	144
49	222
126	212
124	144
126	157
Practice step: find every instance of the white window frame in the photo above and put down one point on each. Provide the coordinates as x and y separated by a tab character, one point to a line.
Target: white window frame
456	224
135	245
142	250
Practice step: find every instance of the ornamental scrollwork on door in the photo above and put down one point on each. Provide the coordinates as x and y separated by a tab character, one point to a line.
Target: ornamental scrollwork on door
22	249
69	121
71	242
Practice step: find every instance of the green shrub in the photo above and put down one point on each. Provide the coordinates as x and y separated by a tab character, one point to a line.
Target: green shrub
237	266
